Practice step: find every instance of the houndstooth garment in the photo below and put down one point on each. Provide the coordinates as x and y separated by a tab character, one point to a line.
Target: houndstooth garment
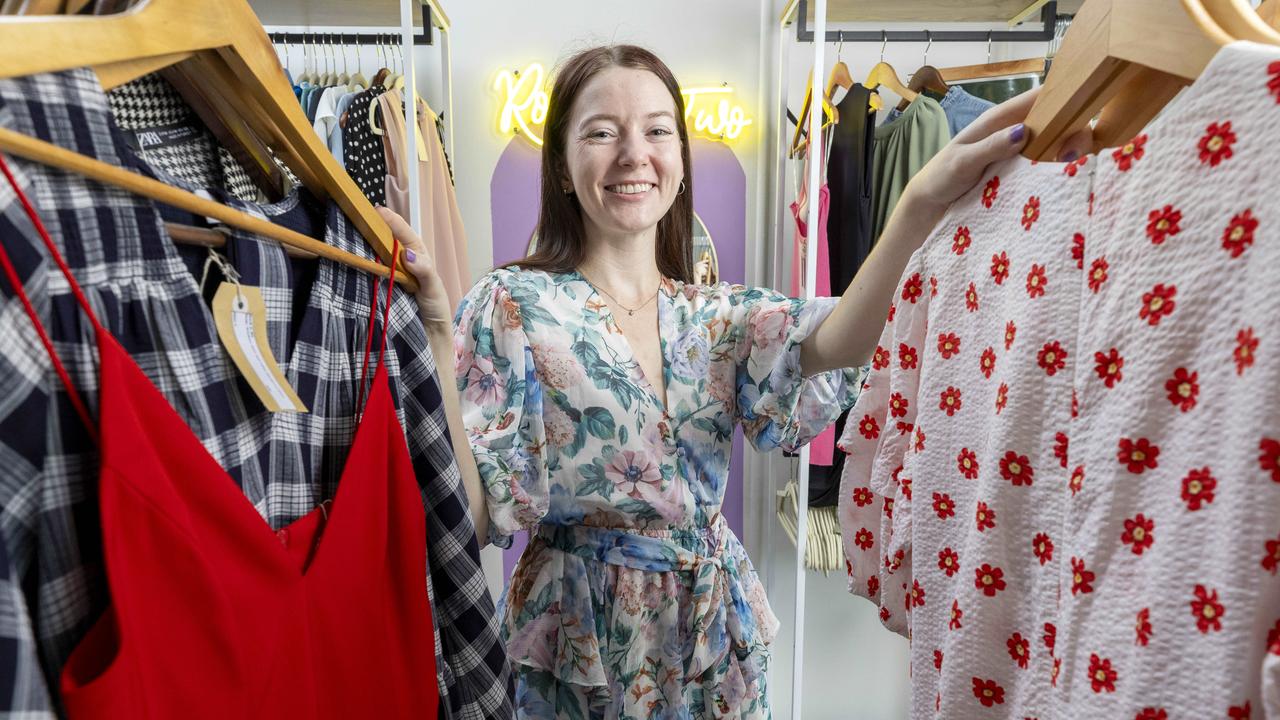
142	287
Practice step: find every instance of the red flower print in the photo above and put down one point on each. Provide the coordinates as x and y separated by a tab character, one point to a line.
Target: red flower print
1016	468
893	310
905	428
961	241
880	360
1246	350
1077	480
913	288
1102	677
1002	397
1010	334
990	580
907	356
967	461
1158	303
885	614
1240	712
971	298
1206	609
990	192
937	659
988	362
917	594
1271	558
1077	250
956	615
1060	446
873	586
1036	281
906	487
864	539
1057	670
948	345
1216	144
1073	168
948	561
1080	577
1138	456
1183	388
1131	153
1019	649
1098	274
1000	267
1273	639
1075	404
943	506
1239	233
1142	629
1138	533
950	402
988	692
862	497
1197	488
869	428
919	440
1050	637
1052	358
1269	457
1109	366
933	286
1030	212
985	517
898	405
1273	84
1163	224
1042	546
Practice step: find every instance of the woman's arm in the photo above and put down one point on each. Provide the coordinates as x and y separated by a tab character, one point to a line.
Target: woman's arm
848	336
433	305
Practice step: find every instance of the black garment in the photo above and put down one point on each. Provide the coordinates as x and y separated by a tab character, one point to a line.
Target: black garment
849	237
362	151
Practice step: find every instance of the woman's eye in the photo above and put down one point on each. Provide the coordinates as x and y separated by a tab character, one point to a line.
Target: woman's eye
661	131
599	135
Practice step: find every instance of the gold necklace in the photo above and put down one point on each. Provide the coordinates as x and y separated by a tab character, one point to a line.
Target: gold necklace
630	311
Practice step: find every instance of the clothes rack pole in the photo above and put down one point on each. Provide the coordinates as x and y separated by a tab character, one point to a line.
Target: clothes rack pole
1048	14
411	112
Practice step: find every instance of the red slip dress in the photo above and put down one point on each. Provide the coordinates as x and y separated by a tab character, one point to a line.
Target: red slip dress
212	614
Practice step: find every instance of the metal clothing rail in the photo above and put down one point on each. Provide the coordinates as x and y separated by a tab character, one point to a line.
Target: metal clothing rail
1048	15
425	37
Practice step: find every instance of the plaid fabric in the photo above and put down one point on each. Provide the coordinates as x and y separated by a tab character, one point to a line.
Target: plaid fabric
143	289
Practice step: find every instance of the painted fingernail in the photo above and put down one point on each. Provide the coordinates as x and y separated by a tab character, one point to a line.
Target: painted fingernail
410	255
1017	132
1070	156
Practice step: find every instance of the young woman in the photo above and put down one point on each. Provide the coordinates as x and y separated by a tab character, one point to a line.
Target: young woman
599	390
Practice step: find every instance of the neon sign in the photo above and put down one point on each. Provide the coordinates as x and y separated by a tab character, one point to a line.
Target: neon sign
708	111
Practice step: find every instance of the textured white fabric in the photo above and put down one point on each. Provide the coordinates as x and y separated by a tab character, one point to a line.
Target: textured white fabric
1064	472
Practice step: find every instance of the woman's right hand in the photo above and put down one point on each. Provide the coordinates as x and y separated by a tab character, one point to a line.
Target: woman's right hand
433	302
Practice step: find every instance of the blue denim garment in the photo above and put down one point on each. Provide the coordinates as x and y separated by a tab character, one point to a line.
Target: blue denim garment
961	109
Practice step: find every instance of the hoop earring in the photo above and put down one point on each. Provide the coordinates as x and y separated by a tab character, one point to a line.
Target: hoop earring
681	190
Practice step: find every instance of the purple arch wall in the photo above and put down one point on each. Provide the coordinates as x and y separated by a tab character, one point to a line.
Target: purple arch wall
719	198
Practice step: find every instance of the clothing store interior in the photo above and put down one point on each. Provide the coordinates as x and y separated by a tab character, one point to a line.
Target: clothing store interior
599	360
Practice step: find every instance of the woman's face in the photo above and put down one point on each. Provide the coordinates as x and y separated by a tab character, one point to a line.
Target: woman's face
623	152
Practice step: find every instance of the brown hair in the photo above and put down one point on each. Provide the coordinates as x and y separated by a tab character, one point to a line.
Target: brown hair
561	233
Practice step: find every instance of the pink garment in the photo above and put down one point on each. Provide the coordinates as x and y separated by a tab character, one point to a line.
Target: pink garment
823	448
1063	481
442	230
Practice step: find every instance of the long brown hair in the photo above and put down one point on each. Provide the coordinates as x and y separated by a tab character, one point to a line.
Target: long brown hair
561	233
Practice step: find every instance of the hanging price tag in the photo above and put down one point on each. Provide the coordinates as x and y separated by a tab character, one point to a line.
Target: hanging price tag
241	318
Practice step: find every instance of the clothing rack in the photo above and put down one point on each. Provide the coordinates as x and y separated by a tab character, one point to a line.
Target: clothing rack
1048	15
425	37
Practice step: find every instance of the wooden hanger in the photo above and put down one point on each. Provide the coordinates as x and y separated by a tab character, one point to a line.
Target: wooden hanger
883	74
1131	56
1269	11
1006	68
1238	19
926	78
798	140
228	41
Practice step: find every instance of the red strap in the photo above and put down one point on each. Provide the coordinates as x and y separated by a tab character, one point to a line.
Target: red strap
72	394
373	311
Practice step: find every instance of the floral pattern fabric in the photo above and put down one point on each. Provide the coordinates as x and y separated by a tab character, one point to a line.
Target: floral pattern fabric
633	600
1064	473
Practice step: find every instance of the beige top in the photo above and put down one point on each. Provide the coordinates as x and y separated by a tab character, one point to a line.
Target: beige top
442	230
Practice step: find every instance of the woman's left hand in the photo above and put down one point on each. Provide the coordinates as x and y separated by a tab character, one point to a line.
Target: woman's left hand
433	302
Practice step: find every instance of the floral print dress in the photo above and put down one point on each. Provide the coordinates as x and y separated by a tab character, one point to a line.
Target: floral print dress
633	600
1064	471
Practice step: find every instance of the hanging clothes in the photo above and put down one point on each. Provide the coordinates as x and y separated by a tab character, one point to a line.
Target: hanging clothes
285	464
1064	478
365	160
335	141
903	146
442	230
960	107
211	613
849	176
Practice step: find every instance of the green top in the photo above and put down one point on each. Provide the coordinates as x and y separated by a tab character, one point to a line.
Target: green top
903	146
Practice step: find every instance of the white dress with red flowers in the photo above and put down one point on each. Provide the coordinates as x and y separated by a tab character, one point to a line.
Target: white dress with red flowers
1064	471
